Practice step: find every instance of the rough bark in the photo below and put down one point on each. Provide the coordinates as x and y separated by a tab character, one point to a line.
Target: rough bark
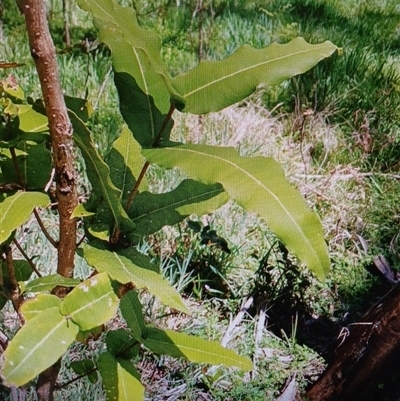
44	54
60	128
365	355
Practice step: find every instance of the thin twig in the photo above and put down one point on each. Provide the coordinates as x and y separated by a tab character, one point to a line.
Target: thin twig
262	317
16	166
27	258
16	297
147	164
43	228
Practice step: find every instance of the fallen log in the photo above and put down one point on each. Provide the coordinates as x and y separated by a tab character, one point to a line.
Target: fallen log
367	349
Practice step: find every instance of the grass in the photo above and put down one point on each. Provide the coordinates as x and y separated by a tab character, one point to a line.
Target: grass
344	158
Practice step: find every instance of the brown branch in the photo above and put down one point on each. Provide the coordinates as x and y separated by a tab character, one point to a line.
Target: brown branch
27	258
44	230
44	55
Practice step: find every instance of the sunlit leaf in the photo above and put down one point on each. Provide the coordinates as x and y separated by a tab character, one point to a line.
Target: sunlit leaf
126	162
259	185
195	349
33	307
214	85
15	210
37	345
120	379
80	212
91	303
137	270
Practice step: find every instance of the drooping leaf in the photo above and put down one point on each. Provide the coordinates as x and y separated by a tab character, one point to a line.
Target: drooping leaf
126	162
120	379
15	210
98	172
47	283
91	303
33	307
195	349
137	270
259	185
150	212
144	119
132	311
141	76
214	85
37	345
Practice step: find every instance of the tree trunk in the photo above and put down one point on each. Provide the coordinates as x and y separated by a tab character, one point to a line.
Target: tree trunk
365	358
44	55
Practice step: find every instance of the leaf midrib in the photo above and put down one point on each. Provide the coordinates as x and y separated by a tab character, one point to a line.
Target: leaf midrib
243	171
200	88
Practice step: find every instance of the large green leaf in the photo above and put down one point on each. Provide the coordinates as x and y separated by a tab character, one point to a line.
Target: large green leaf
195	349
98	172
38	345
121	380
140	73
126	162
259	185
214	85
15	210
91	303
150	212
137	270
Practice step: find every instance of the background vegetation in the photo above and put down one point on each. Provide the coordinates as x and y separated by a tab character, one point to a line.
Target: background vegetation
335	130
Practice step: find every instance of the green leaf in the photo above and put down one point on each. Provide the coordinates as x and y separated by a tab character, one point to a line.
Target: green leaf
137	270
132	311
150	212
259	185
91	303
80	212
34	161
120	379
98	172
195	349
47	283
214	85
140	113
126	162
33	307
141	76
38	345
32	121
135	50
122	344
15	210
85	367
